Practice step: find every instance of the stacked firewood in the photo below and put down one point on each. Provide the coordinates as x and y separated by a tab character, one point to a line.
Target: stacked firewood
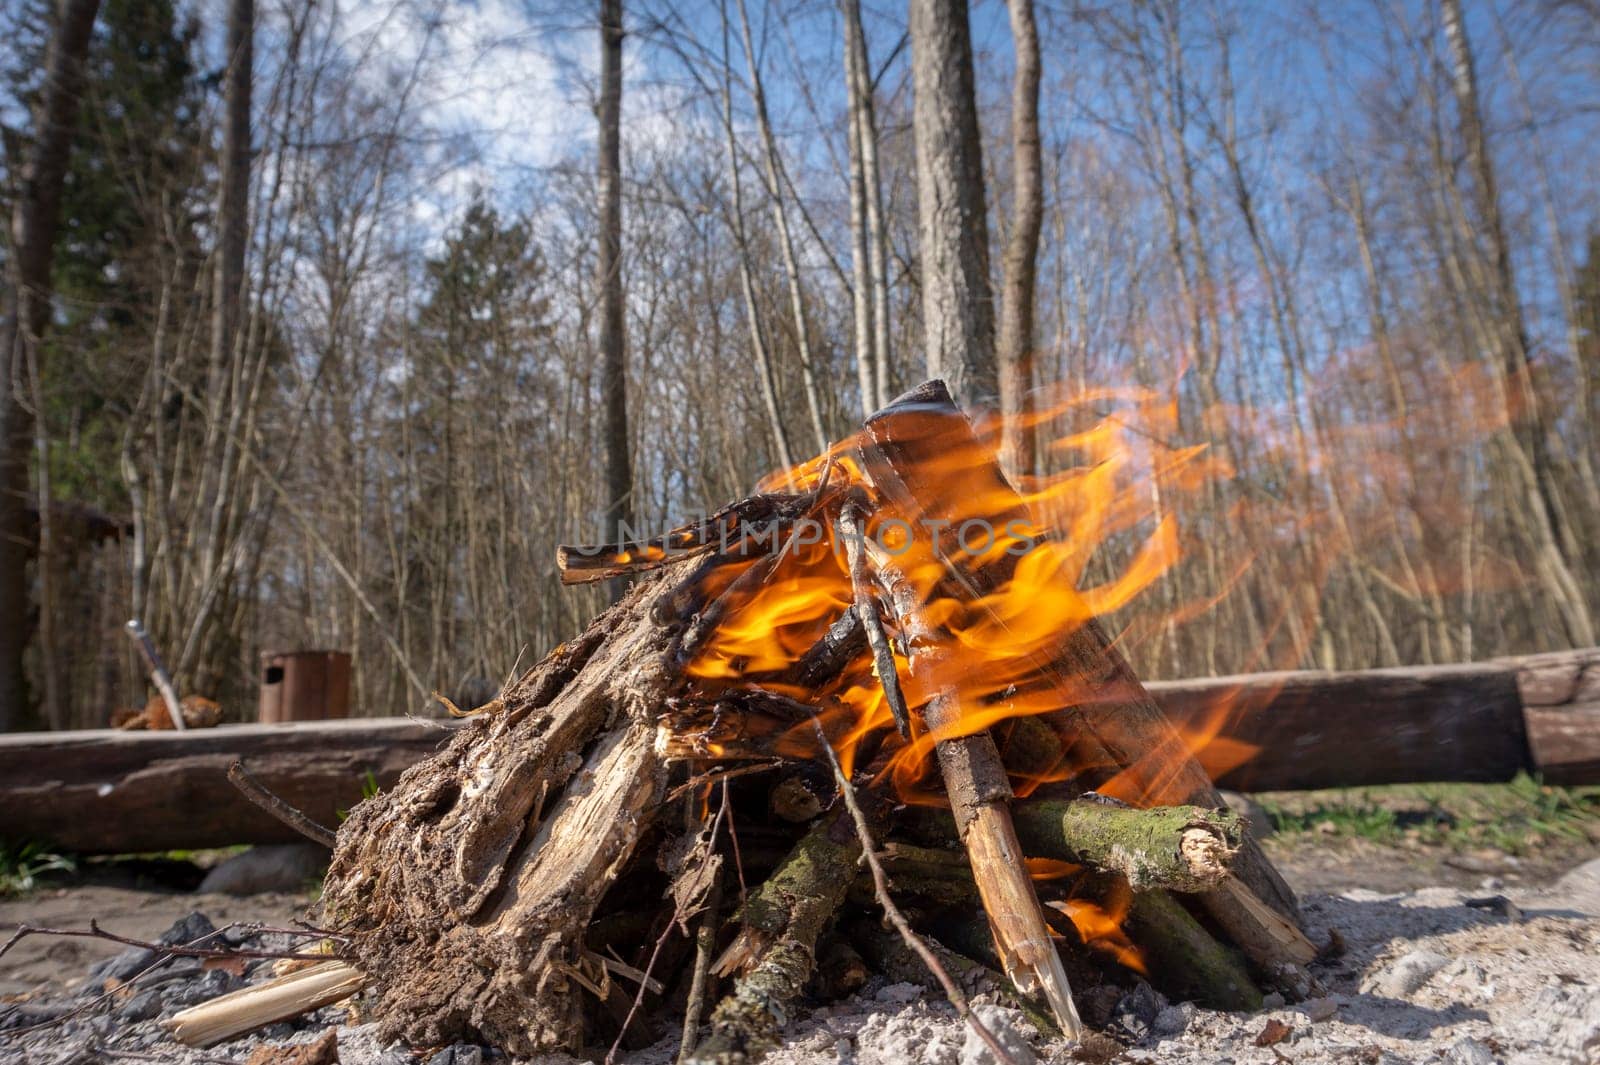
706	804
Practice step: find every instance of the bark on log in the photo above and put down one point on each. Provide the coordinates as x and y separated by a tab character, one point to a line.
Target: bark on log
1381	726
907	451
105	791
1560	695
1181	848
776	949
1186	962
469	885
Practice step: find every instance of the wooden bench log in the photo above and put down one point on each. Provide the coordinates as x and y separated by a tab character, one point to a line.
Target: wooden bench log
105	791
1474	722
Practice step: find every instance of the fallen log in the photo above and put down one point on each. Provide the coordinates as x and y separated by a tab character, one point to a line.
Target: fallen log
104	791
1308	730
1538	714
1178	848
1560	696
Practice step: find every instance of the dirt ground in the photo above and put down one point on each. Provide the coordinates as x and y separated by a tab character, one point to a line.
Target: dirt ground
1423	978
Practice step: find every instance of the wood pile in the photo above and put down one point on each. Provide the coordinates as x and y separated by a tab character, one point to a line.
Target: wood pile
793	725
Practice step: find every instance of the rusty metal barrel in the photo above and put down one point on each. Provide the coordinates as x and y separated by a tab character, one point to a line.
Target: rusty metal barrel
304	686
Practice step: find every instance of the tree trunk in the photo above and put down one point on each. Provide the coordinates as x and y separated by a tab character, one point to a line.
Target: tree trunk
613	354
957	304
1018	448
1556	548
859	65
860	253
34	218
233	190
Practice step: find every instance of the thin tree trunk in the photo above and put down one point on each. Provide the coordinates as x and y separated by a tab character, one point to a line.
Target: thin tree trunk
613	340
862	94
957	303
860	256
1018	447
758	337
780	218
35	217
1557	549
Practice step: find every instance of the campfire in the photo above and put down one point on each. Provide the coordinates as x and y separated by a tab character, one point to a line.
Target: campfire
865	720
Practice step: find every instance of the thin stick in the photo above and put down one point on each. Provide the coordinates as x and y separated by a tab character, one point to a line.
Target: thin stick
94	931
880	888
158	672
257	793
705	945
638	998
852	530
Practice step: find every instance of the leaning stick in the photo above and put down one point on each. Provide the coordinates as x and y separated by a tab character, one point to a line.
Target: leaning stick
258	793
158	672
891	911
976	783
244	1011
866	608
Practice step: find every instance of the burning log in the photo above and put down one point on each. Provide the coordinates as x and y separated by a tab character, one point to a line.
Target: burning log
1178	848
481	896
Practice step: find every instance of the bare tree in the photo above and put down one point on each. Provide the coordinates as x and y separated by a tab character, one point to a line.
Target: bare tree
868	225
1021	259
35	217
613	339
957	303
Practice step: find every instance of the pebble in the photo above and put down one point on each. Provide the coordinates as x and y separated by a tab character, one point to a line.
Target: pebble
1173	1021
1466	1051
1405	976
460	1054
141	1007
902	992
1003	1023
1320	1009
1273	1000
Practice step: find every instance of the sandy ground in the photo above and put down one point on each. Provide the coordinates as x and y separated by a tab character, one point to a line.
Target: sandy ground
1424	978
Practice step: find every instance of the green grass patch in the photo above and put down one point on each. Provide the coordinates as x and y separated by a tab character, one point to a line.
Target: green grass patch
1519	816
24	865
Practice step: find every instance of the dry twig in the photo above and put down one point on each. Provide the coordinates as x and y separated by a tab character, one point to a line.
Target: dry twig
257	793
880	888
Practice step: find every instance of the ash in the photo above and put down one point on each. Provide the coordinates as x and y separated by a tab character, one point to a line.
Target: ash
1438	975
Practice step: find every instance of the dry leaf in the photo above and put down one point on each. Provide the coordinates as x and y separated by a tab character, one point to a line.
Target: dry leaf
231	966
1273	1033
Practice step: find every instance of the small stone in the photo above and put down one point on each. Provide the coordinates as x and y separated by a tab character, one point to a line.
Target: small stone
1405	976
902	992
207	986
843	1047
121	968
1002	1023
141	1007
194	925
460	1054
1273	1000
1498	905
1466	1051
1137	1010
283	868
1173	1021
1320	1009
